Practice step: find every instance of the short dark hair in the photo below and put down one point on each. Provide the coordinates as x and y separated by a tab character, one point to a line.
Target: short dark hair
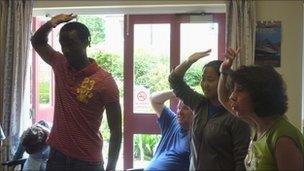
82	31
266	89
44	123
215	65
34	139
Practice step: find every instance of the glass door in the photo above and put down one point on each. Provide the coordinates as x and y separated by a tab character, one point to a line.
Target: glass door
148	59
42	80
154	44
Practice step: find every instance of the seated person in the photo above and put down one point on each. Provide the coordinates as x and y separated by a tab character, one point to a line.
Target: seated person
173	150
33	141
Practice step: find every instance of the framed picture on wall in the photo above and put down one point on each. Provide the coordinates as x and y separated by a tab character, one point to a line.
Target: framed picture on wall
268	43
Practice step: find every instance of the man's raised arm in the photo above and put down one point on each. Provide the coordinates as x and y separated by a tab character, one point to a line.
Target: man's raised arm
40	39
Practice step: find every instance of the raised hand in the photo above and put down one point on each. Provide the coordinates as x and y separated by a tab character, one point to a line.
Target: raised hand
198	55
230	55
61	18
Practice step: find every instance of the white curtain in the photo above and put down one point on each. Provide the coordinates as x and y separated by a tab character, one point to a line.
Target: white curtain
241	26
15	20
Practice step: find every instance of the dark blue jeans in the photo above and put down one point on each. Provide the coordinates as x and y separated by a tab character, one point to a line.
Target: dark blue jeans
60	162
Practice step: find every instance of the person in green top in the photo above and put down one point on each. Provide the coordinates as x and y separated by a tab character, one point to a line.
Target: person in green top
259	98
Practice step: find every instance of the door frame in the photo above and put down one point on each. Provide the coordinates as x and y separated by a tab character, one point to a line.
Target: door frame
39	112
146	123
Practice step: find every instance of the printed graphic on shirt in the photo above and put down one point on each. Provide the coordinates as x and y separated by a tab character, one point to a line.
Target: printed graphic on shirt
85	90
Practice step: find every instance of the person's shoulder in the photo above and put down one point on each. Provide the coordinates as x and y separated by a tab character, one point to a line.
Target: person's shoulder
236	121
102	74
167	114
102	77
57	58
202	104
167	111
101	70
56	55
104	82
230	116
284	127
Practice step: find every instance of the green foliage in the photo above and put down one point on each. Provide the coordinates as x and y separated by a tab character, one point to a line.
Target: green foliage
111	62
44	92
96	26
144	146
193	76
151	70
104	128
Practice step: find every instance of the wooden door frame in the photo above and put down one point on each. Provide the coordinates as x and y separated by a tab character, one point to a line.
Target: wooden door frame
45	112
133	122
146	123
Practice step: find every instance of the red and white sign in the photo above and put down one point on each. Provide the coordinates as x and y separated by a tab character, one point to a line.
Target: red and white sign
141	103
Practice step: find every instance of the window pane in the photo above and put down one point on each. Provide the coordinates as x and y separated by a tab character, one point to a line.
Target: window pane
144	146
106	48
151	63
44	84
197	37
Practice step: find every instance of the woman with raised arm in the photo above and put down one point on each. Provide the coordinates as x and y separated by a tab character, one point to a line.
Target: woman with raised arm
219	141
259	98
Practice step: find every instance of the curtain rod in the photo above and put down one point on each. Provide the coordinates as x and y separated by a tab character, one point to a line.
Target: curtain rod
195	13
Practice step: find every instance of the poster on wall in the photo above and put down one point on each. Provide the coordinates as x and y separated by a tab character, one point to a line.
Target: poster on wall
268	43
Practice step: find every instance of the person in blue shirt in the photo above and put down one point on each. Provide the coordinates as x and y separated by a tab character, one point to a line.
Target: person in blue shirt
173	150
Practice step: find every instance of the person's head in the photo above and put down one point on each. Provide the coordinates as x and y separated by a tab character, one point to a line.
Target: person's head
210	79
184	115
34	138
258	90
74	38
44	123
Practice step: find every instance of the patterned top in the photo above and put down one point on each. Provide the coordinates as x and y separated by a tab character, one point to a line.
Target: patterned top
80	98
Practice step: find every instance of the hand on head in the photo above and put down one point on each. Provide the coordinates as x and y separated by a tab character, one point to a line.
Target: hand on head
198	55
230	55
61	18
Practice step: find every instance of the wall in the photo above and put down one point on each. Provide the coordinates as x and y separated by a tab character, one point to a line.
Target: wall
289	12
42	7
69	3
